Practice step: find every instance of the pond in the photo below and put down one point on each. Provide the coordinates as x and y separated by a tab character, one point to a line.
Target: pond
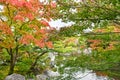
87	67
73	73
69	68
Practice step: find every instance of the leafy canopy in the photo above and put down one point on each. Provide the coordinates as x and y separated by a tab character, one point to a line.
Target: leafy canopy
24	22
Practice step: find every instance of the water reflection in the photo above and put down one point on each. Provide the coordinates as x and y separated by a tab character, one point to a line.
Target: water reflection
89	75
71	73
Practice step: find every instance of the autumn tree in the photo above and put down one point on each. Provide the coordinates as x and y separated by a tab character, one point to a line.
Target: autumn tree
22	23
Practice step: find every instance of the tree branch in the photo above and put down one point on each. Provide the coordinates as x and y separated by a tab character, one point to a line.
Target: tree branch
36	59
100	33
23	24
35	62
93	19
2	19
117	22
9	14
9	51
85	5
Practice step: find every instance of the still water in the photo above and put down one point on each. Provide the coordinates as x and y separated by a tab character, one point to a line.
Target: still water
73	73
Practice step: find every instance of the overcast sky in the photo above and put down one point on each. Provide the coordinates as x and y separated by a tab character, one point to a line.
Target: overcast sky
58	24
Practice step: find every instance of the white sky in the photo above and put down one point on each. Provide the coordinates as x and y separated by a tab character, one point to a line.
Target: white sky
58	24
1	8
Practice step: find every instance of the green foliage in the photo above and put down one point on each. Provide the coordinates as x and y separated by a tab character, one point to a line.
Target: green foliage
85	13
3	72
23	66
98	61
101	13
59	46
69	44
4	55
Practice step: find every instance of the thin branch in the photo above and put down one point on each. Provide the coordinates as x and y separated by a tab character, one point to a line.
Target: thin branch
32	67
40	55
105	8
24	24
9	14
98	33
8	51
117	22
36	59
2	19
85	19
96	6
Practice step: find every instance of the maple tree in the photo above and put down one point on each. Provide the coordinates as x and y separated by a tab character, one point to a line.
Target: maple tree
24	22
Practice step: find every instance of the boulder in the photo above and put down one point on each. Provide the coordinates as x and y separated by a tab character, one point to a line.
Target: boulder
15	77
51	73
41	77
30	79
87	51
47	75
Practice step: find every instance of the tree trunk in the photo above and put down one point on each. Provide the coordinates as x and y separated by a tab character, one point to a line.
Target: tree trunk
12	64
12	60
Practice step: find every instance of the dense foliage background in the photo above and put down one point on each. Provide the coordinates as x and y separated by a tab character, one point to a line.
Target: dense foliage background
25	35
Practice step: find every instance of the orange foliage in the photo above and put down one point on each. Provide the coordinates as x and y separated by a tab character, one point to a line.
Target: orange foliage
116	29
94	43
111	45
19	17
26	39
26	13
5	29
49	44
45	23
98	73
35	27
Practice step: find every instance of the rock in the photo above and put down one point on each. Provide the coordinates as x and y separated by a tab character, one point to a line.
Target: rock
30	79
15	77
87	51
56	53
67	54
52	64
88	30
79	51
41	77
50	73
51	56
